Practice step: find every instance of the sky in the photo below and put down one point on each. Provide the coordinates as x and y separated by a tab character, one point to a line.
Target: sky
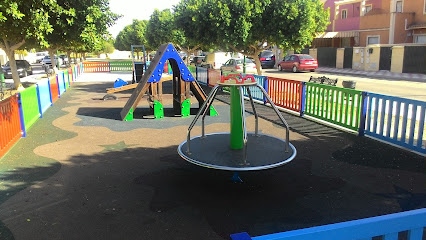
135	9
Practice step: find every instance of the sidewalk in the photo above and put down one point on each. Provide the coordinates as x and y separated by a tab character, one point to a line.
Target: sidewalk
378	74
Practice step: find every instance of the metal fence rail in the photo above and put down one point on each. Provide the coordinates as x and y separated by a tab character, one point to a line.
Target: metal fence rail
396	120
10	124
386	227
340	106
286	93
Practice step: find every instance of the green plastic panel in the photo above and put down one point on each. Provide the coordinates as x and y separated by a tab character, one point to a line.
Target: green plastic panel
213	111
129	116
158	110
30	107
337	105
186	108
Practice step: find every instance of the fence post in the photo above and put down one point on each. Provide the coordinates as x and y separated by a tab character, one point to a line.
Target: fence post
50	91
109	66
265	86
302	99
363	115
40	110
21	115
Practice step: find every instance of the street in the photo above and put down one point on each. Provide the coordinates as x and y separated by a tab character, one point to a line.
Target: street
398	88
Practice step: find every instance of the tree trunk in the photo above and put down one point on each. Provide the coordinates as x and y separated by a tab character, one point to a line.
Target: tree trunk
258	64
10	52
52	59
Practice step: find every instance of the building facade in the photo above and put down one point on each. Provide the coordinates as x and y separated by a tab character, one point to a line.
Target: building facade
365	22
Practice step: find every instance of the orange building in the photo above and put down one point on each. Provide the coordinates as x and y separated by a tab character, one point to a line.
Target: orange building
364	22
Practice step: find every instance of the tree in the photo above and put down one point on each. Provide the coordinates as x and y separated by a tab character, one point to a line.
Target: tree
251	26
133	34
163	27
20	21
85	24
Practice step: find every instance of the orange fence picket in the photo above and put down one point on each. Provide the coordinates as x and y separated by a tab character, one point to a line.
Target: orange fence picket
286	93
10	124
91	67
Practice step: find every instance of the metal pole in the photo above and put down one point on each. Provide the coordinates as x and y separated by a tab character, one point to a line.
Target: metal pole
256	117
287	139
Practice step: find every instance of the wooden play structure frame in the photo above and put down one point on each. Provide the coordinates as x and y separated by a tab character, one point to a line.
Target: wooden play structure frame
183	83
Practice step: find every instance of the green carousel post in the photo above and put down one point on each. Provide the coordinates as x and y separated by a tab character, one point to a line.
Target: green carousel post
237	131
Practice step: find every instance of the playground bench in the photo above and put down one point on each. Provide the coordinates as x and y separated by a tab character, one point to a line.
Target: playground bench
324	80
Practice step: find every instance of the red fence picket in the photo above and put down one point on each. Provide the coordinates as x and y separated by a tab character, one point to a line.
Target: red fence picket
91	67
10	124
54	88
286	93
213	76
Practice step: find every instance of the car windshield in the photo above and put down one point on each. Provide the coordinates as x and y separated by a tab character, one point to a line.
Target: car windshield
18	64
305	57
46	57
266	54
240	61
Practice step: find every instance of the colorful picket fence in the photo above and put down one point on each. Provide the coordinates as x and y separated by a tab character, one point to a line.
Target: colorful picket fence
286	93
10	123
340	106
202	75
396	120
28	100
19	112
380	227
256	93
122	66
93	67
43	95
213	76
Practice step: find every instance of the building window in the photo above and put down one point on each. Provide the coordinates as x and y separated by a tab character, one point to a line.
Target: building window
419	38
399	6
373	40
424	8
368	8
344	14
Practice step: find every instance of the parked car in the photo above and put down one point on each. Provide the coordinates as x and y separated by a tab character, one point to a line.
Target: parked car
217	59
48	61
24	69
236	65
64	59
267	59
40	56
298	62
197	60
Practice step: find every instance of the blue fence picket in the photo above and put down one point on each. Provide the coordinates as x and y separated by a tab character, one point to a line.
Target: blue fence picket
256	93
387	225
396	120
44	95
61	83
202	75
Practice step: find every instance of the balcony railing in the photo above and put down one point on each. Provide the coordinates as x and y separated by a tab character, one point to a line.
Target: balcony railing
346	24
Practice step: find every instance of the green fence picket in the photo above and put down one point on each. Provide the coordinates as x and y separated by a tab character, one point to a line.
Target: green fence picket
121	66
30	106
340	106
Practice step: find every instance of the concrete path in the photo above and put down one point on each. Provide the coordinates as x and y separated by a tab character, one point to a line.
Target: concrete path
83	174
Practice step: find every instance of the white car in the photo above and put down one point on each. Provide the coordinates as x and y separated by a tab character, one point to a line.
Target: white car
236	65
47	61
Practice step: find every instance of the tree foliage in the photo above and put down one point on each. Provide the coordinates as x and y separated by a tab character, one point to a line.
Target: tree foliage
250	26
133	34
53	24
